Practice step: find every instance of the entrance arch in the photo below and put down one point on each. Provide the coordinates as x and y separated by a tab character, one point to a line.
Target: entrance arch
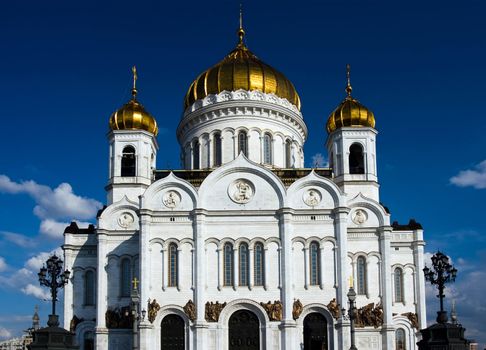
315	332
172	333
244	331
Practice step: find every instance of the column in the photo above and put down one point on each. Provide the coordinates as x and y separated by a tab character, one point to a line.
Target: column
200	324
145	327
220	268
321	266
235	267
340	229
288	325
165	268
68	288
418	257
251	261
388	331
306	268
265	269
101	332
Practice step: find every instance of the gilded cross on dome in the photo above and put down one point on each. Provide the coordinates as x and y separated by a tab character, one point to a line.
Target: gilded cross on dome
135	77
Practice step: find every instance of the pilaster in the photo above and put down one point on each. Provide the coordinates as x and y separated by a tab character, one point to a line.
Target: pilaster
418	257
388	331
101	332
200	325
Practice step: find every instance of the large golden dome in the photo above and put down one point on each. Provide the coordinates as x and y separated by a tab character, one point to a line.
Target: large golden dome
241	69
350	113
132	115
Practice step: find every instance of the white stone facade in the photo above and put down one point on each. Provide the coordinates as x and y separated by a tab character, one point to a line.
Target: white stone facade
244	234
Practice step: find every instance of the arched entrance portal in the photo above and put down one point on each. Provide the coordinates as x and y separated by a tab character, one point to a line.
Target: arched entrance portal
244	331
172	333
315	332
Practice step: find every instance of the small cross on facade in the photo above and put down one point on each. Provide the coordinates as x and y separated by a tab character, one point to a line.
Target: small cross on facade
135	283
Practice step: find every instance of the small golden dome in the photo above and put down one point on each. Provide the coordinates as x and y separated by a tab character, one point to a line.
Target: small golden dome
132	115
241	69
350	113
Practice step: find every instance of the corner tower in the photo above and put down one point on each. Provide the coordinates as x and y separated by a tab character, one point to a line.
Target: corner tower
241	105
351	146
133	149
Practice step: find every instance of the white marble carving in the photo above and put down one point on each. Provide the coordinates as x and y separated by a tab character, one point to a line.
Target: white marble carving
360	217
171	199
241	191
312	197
125	220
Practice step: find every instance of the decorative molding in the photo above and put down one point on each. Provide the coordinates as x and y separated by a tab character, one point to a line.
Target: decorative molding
312	197
125	220
359	216
171	199
241	191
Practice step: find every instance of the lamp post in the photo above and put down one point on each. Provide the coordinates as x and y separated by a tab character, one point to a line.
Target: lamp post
352	314
442	272
52	275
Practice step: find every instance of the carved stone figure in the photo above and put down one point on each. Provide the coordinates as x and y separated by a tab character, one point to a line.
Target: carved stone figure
359	217
74	323
334	308
369	316
413	318
171	199
274	311
297	309
312	198
243	192
190	310
153	308
213	310
377	319
119	318
125	220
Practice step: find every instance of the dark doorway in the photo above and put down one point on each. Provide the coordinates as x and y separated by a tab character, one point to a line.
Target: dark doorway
244	331
172	333
315	332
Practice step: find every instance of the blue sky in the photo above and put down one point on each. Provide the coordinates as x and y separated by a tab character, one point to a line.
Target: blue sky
66	67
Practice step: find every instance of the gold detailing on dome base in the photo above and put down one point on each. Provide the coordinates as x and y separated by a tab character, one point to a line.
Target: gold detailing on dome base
241	69
132	115
350	113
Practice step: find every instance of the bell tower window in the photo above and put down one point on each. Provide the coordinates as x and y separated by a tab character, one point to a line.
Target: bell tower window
195	155
288	154
128	162
267	149
217	149
356	159
243	143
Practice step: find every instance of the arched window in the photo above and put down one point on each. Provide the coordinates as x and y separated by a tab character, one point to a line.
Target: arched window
243	143
361	275
173	265
259	267
398	276
217	149
125	277
400	343
267	148
243	264
314	263
228	264
288	154
356	159
89	288
128	162
195	154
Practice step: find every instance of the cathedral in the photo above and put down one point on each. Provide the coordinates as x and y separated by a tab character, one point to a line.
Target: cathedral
244	248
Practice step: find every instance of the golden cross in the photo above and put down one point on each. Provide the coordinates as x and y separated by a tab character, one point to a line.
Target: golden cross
135	283
348	76
351	281
135	77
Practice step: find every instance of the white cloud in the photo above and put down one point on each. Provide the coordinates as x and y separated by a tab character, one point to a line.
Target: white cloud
5	333
319	161
475	178
18	239
36	291
57	203
3	264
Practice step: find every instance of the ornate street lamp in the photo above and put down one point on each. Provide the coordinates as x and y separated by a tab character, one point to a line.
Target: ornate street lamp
352	314
135	313
442	272
52	275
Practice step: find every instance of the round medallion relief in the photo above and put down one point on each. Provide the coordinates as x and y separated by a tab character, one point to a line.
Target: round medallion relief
360	217
241	191
312	197
125	220
171	199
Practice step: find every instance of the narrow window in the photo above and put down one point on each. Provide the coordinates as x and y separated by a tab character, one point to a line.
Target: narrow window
314	263
89	288
267	149
195	155
398	285
228	264
217	149
243	143
400	339
288	154
243	264
259	267
361	275
128	162
173	265
126	276
356	159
